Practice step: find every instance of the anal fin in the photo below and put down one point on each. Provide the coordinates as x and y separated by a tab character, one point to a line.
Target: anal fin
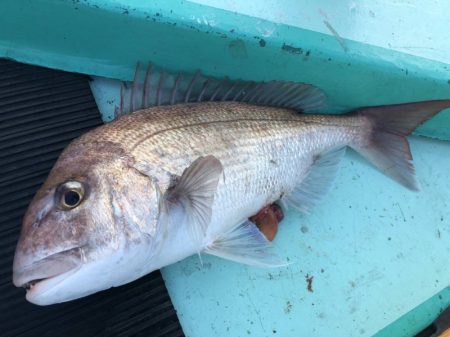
318	181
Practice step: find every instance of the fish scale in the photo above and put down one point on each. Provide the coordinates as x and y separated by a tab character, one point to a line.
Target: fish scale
247	139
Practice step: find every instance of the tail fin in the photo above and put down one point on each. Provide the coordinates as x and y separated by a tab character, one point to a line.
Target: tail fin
387	147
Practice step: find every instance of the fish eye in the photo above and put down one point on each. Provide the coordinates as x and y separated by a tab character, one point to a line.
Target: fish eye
70	194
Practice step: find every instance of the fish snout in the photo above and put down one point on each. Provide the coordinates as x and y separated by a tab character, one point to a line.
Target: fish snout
29	270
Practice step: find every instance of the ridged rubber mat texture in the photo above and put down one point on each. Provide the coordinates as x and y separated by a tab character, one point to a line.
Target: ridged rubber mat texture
41	111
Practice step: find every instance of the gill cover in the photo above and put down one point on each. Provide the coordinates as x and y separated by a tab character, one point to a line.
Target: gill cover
193	196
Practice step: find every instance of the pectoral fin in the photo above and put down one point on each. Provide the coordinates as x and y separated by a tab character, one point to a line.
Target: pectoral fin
194	193
245	244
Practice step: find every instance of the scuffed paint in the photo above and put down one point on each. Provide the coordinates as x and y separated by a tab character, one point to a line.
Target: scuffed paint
266	29
292	50
336	35
237	48
207	19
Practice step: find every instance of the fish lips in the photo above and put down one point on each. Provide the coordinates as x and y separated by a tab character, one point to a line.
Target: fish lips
40	275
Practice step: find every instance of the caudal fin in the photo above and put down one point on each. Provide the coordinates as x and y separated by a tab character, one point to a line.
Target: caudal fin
387	147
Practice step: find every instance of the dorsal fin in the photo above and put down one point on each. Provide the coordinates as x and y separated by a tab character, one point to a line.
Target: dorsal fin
156	87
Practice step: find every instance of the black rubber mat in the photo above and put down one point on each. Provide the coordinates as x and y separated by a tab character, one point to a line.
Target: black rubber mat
41	111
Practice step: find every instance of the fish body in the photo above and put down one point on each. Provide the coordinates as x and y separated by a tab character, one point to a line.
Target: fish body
265	152
164	183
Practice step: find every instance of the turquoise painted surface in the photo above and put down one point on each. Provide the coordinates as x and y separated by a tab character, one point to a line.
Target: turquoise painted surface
107	38
419	318
405	26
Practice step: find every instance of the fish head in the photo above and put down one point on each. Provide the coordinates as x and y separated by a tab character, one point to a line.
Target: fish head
91	226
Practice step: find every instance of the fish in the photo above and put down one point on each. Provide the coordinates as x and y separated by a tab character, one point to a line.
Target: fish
183	170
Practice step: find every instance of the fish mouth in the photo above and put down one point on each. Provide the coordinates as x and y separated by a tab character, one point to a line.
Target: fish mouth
41	271
32	283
